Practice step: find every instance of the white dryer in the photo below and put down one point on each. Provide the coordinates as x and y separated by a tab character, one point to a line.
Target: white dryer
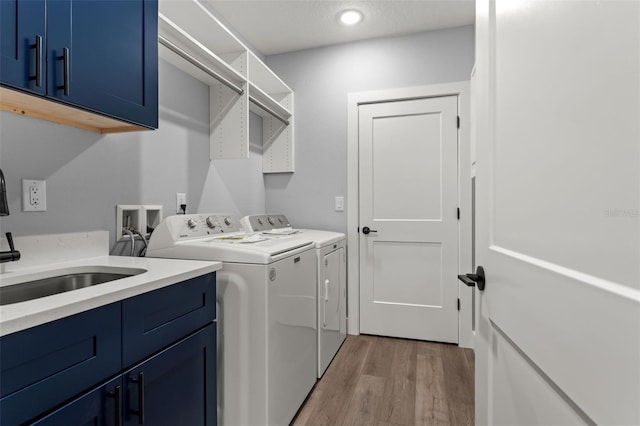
331	278
267	314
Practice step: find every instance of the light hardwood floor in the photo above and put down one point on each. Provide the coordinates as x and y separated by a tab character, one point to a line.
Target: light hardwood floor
387	381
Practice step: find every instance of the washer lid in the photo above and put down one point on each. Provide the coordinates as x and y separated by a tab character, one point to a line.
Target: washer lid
261	252
278	226
321	238
216	237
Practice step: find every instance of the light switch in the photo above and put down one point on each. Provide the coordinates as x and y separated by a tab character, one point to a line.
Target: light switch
339	204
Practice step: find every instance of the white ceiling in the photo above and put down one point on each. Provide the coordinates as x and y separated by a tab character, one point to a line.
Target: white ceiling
278	26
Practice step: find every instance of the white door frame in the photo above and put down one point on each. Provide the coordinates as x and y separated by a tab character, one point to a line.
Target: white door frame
354	100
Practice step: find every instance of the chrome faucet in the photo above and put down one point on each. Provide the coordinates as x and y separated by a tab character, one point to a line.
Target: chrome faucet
13	254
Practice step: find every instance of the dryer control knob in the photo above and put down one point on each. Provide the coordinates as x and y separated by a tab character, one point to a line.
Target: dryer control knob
211	222
260	222
227	221
191	223
271	221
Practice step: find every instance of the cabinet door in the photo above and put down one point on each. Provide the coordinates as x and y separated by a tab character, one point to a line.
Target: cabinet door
21	21
44	366
99	407
112	63
176	386
153	321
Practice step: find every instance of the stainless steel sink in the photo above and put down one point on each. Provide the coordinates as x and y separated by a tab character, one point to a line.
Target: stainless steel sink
73	280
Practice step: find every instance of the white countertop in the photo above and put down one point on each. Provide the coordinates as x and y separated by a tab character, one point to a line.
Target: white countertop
159	273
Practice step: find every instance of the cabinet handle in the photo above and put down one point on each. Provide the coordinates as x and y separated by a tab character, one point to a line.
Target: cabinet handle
38	47
140	411
116	394
65	70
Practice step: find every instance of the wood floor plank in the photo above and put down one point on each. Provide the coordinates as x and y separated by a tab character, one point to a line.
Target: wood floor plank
305	412
471	359
429	348
364	407
398	406
431	396
393	382
380	357
338	384
461	414
458	377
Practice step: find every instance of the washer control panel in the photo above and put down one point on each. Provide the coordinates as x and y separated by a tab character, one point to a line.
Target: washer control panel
265	222
201	225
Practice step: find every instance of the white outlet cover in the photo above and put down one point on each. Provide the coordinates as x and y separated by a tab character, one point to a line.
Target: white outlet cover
34	195
181	198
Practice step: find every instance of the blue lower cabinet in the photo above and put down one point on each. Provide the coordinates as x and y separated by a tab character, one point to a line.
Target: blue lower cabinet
45	366
157	319
99	407
146	360
175	387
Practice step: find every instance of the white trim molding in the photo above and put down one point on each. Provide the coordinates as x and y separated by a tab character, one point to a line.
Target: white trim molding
354	100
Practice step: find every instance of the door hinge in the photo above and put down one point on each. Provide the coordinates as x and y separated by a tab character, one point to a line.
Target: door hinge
458	122
458	213
458	304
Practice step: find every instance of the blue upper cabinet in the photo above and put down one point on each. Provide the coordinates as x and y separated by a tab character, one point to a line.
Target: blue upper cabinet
22	49
103	55
97	55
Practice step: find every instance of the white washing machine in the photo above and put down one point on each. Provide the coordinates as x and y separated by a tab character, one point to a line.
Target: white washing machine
331	278
267	314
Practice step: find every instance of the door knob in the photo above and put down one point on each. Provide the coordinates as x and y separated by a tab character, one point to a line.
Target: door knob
472	279
366	230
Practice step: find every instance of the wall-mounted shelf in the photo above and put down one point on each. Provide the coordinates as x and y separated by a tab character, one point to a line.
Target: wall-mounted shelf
194	40
183	51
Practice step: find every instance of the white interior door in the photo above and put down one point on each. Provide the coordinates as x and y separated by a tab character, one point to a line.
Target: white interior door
408	201
558	212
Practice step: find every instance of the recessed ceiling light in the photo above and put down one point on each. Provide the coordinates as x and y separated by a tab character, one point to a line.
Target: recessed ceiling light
350	17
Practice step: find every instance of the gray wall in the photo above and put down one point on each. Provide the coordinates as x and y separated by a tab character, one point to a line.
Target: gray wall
321	79
87	174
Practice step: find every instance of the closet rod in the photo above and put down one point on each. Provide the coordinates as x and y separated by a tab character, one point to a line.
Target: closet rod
269	110
175	49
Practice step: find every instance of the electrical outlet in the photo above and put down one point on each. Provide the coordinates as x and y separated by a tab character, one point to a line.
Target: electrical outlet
34	195
181	198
